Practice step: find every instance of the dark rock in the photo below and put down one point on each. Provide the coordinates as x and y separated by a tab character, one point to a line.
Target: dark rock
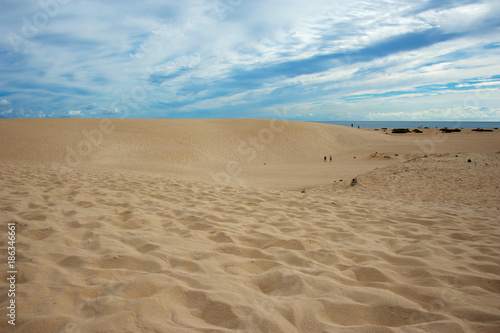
354	181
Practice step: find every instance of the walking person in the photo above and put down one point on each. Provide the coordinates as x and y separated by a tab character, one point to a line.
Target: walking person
330	158
325	158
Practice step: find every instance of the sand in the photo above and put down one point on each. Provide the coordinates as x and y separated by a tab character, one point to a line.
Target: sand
239	225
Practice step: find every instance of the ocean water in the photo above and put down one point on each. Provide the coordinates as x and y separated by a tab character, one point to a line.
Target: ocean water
416	124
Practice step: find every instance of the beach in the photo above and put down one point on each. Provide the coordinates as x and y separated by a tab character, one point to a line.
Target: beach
224	225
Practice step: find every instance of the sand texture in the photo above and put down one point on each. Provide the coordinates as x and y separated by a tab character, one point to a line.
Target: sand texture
239	225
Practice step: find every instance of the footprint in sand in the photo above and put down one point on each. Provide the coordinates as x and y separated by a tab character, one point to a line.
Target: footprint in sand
211	311
84	204
71	328
35	217
69	213
147	248
220	237
39	234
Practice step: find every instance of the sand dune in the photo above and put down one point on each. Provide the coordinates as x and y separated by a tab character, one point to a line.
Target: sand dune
140	236
228	151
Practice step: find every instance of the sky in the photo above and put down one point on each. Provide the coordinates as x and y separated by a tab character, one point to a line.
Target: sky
318	60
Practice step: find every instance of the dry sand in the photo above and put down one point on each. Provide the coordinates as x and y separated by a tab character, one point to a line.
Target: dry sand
200	225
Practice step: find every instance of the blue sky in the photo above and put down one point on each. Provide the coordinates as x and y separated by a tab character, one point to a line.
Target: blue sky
302	60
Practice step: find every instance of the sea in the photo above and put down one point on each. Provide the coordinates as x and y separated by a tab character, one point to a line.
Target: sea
416	124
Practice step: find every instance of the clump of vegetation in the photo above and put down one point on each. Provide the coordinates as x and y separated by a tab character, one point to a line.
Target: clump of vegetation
450	130
400	130
481	130
416	130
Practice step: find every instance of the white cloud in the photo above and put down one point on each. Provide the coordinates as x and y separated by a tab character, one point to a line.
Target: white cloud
457	19
5	108
480	84
75	113
451	113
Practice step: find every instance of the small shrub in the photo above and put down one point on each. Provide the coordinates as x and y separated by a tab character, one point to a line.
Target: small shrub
450	130
416	130
481	130
400	130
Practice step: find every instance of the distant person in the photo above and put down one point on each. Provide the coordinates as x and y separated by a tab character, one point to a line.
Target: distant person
352	125
325	158
358	126
330	158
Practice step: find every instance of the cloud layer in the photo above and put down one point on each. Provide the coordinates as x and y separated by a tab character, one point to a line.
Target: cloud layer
314	60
